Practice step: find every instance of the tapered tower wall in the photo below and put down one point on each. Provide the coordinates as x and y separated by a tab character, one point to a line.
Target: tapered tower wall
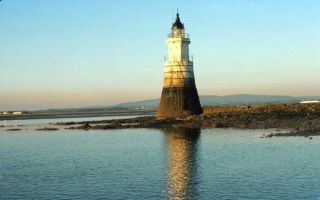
179	96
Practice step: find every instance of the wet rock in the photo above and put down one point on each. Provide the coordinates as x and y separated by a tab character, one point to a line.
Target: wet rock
269	135
47	129
107	126
86	126
218	125
14	129
83	126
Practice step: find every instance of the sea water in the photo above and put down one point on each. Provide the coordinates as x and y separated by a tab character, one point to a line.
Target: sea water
156	164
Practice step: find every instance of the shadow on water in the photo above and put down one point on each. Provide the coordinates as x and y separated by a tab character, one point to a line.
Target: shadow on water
182	147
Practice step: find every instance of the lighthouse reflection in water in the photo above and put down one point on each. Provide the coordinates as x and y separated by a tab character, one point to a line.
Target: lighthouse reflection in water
182	147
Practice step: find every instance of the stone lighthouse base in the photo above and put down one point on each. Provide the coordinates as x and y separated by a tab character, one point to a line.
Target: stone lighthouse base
179	102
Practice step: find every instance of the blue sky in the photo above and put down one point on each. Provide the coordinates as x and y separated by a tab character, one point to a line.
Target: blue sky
73	53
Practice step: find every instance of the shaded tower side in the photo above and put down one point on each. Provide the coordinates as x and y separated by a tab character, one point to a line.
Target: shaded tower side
179	96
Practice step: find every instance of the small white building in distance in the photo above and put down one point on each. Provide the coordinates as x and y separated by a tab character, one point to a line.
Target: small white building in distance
17	113
309	102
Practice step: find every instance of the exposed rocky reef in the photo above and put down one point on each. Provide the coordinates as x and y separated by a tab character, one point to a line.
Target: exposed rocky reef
47	129
301	119
14	129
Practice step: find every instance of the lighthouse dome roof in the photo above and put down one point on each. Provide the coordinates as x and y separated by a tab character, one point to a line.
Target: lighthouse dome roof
178	23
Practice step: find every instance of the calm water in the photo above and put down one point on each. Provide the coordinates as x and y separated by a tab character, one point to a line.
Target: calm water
157	164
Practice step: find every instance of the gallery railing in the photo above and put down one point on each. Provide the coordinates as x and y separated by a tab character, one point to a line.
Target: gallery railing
173	35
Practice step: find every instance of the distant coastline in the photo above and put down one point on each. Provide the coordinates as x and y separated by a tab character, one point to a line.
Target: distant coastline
76	114
151	105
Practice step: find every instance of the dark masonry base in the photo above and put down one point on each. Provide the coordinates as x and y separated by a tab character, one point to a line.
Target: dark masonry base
179	102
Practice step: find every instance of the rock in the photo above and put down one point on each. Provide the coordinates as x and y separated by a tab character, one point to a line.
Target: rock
47	129
218	125
86	126
14	129
269	135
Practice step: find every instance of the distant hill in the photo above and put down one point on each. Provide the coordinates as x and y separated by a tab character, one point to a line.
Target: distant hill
206	100
211	100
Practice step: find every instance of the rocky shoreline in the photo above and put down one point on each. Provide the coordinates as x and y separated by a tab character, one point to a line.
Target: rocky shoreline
299	119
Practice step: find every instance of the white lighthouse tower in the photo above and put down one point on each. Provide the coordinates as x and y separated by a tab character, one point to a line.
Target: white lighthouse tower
179	95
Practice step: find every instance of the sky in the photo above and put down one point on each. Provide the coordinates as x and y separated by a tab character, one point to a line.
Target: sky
78	53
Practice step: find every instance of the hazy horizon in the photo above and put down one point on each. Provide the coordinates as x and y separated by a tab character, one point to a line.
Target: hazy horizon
69	106
58	54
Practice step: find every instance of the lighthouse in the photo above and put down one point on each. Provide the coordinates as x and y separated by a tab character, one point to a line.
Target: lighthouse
179	96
